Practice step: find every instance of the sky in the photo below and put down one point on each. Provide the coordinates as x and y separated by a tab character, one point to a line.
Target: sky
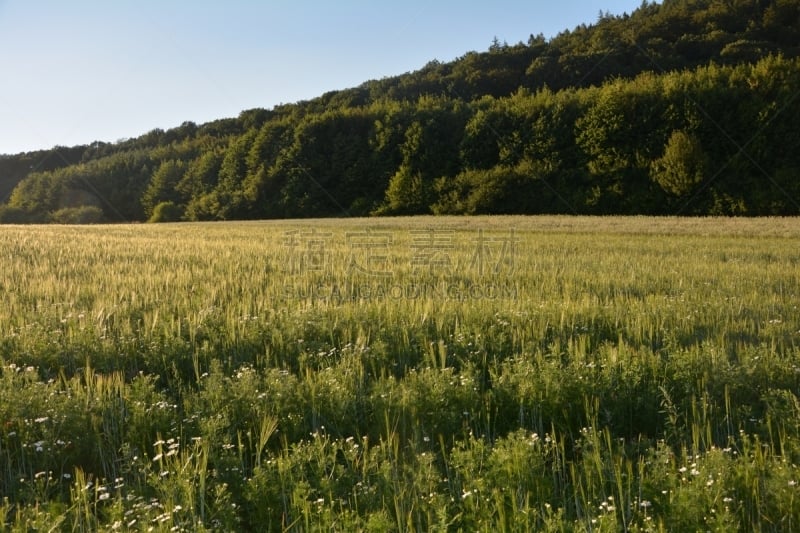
85	70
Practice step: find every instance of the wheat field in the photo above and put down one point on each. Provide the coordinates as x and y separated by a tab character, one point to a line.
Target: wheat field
423	374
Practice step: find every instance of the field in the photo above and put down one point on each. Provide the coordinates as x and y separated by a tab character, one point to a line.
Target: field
426	374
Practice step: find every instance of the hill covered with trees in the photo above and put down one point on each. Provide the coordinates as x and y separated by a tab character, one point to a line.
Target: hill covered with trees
684	107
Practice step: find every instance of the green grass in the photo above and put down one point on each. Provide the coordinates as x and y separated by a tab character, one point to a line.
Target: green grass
426	374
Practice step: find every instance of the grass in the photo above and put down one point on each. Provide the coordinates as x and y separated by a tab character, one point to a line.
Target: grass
489	374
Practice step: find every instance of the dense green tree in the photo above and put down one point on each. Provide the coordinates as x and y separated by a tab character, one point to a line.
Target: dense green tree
430	151
683	106
683	166
162	186
201	175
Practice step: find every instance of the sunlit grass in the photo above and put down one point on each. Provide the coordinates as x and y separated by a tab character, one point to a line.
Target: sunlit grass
504	373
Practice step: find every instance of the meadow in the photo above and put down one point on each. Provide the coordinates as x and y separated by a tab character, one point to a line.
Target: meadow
424	374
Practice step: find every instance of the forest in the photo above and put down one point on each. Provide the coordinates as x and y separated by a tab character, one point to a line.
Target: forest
685	107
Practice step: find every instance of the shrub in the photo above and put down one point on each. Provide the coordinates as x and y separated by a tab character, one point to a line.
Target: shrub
85	214
167	212
14	215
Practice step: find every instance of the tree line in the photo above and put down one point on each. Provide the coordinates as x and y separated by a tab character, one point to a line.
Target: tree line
685	107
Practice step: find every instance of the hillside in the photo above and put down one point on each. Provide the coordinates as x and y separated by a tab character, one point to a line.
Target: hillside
684	107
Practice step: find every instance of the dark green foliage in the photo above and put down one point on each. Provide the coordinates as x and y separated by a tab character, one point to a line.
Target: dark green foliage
163	185
14	215
683	107
683	166
167	212
85	214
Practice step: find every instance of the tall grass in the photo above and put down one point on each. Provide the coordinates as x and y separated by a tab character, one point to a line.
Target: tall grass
504	373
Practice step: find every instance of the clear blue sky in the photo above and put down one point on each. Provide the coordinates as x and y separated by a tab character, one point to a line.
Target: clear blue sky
72	72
